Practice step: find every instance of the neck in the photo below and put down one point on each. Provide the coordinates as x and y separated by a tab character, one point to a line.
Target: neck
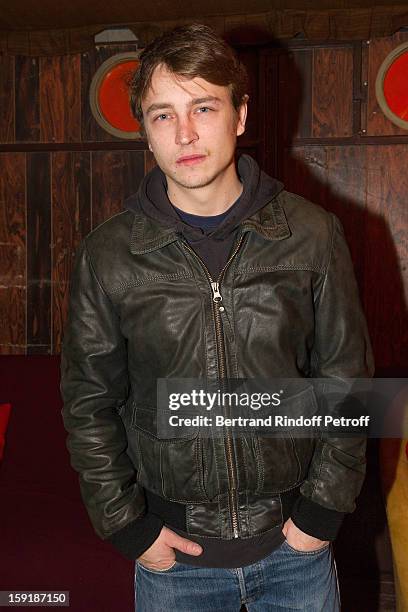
212	199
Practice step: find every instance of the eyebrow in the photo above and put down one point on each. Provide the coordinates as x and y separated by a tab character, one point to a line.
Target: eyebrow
161	105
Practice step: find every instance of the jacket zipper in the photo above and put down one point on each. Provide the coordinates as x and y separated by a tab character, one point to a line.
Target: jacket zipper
217	308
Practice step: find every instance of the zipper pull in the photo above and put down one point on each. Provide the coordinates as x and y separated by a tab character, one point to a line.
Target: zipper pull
217	297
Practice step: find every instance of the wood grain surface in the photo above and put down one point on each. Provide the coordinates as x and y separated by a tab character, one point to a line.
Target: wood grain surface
386	270
60	98
295	94
38	253
12	253
115	176
27	99
332	92
71	222
6	98
366	188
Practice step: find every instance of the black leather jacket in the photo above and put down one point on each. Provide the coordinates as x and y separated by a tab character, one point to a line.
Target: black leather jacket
141	308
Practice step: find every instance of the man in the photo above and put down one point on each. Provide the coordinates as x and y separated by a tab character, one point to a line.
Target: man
215	272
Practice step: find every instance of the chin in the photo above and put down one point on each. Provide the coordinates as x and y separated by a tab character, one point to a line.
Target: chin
194	182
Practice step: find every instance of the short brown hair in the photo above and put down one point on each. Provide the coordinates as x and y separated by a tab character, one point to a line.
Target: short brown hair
190	51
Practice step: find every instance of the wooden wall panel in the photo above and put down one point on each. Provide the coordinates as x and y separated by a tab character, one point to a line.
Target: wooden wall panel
10	349
332	177
6	98
304	171
315	93
90	62
60	87
12	253
38	253
295	95
378	49
366	188
249	58
27	96
268	116
71	222
332	92
12	312
346	198
115	176
149	161
386	273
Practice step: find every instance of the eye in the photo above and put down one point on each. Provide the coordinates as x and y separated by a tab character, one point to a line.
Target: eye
161	117
203	109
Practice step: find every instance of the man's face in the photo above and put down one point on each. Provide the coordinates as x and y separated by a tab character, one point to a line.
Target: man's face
191	127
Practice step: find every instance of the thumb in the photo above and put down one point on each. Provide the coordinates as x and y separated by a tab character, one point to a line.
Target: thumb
183	545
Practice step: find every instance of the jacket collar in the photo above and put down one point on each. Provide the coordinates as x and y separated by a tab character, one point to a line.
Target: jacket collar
269	222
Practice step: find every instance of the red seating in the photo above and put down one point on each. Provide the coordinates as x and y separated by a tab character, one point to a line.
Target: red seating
46	539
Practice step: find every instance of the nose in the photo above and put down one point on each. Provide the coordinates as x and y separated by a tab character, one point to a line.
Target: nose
186	132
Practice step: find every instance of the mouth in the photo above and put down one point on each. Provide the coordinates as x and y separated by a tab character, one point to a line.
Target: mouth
190	160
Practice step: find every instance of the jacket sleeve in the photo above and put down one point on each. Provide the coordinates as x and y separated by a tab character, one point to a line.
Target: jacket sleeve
94	384
341	350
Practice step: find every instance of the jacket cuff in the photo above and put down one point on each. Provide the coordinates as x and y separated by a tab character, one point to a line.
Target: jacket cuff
316	520
137	536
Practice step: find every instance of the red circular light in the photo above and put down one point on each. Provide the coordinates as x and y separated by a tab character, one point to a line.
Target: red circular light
113	97
396	86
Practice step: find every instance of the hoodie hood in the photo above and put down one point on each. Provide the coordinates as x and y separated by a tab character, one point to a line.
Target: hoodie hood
258	189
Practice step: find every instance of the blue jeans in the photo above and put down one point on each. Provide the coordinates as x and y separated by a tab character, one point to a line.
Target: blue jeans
285	580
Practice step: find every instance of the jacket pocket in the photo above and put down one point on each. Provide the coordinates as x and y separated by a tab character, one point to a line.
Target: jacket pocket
283	462
169	467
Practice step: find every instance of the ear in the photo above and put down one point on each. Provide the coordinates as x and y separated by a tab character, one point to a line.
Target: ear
242	115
